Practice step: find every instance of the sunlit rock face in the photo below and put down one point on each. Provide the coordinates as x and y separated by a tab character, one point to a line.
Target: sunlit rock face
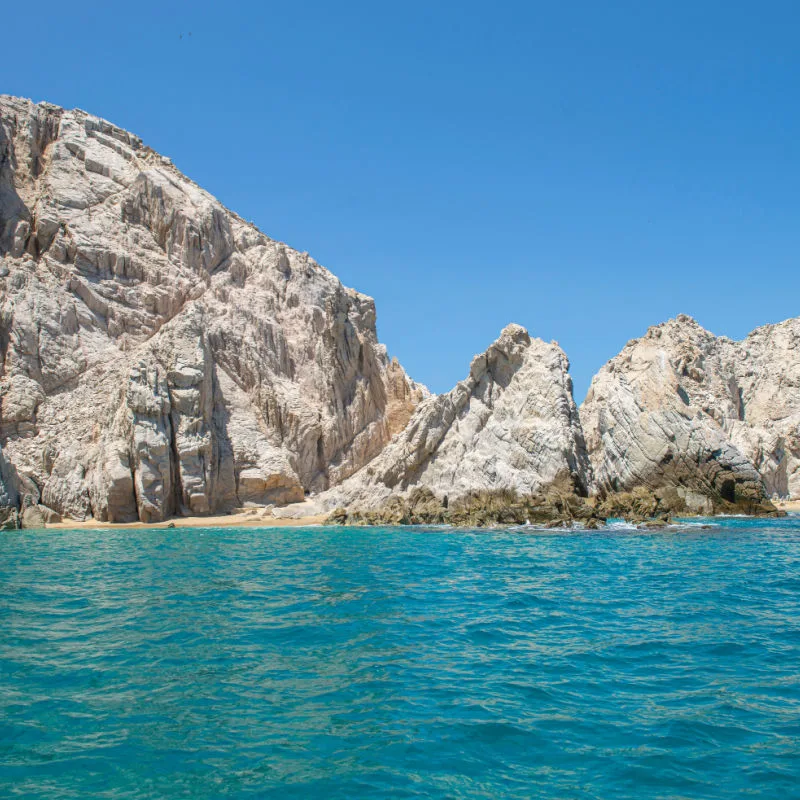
159	354
716	419
510	424
767	427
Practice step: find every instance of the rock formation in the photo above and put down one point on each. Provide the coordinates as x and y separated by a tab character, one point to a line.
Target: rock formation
9	498
158	354
767	426
713	419
511	425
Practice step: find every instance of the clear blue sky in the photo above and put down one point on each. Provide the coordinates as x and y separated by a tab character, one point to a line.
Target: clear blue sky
585	169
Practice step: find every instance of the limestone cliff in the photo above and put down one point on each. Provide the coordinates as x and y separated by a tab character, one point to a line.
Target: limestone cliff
160	355
715	419
511	424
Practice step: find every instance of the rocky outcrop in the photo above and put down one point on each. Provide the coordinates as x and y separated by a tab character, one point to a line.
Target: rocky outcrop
510	425
551	508
705	417
38	517
160	355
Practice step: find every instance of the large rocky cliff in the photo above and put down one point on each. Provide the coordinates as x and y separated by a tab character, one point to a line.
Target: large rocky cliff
158	354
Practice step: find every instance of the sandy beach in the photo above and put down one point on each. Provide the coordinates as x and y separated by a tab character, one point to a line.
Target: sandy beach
246	519
254	518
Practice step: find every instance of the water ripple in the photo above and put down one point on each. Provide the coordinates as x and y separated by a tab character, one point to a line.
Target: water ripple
345	663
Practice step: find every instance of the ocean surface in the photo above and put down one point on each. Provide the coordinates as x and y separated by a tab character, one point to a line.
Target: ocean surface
402	663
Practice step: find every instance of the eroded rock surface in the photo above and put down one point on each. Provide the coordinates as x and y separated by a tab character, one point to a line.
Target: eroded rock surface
511	425
160	355
767	425
713	419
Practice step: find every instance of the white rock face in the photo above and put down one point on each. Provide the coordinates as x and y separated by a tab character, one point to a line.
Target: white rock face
158	354
767	429
511	424
683	407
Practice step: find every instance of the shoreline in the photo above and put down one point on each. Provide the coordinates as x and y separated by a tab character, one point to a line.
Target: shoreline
243	520
249	520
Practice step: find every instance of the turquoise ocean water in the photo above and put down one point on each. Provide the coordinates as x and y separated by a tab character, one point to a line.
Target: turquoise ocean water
350	663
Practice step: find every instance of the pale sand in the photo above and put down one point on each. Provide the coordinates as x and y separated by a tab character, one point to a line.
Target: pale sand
243	520
788	505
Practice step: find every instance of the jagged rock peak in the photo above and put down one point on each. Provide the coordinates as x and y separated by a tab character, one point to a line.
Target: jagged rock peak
220	367
511	424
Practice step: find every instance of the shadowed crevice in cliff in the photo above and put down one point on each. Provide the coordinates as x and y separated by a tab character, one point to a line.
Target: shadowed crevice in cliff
175	503
12	209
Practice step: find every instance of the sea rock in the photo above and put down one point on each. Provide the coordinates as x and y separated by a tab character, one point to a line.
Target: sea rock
670	414
555	506
160	355
510	425
38	517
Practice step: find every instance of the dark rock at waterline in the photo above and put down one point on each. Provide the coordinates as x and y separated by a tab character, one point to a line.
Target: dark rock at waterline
551	509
